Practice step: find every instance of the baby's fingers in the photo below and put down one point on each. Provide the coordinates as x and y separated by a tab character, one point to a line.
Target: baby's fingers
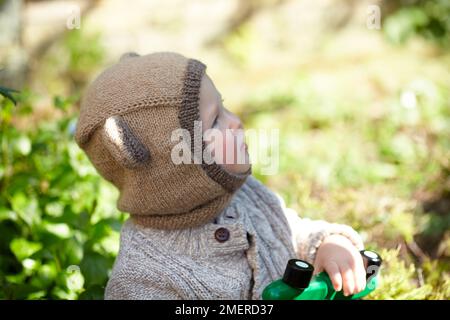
360	277
348	280
335	276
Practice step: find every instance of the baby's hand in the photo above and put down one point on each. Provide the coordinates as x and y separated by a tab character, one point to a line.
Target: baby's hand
343	263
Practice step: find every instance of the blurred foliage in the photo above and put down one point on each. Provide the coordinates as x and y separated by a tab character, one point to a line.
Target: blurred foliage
399	280
8	93
59	227
396	143
75	57
342	163
84	54
426	18
373	154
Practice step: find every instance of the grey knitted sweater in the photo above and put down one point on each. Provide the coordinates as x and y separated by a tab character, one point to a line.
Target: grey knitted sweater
261	235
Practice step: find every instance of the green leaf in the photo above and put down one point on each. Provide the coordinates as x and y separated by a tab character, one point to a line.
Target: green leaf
93	292
54	209
7	93
26	208
6	214
45	276
23	145
61	230
74	278
23	248
73	251
95	268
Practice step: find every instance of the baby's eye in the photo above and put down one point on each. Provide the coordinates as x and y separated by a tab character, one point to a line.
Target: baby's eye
215	121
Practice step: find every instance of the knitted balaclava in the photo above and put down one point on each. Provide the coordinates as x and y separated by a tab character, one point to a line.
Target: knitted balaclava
125	125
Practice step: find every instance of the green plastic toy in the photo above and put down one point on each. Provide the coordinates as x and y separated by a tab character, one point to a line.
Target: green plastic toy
298	282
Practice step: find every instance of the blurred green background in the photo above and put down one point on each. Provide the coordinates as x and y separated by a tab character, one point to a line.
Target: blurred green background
363	113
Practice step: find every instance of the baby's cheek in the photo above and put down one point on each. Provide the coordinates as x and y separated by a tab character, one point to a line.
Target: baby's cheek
224	148
216	143
229	150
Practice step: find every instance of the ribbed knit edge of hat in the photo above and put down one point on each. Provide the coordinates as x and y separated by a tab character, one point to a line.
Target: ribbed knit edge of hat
190	112
187	114
197	217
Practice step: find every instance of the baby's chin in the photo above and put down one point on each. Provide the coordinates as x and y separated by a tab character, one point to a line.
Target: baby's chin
240	164
236	168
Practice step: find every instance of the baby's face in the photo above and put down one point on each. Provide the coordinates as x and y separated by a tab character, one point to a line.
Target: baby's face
223	130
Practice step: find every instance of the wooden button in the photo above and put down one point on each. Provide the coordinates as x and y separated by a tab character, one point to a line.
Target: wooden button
222	234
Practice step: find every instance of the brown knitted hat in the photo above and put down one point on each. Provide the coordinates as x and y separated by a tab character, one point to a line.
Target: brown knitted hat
125	125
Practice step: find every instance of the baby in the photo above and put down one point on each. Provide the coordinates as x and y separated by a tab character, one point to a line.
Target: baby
197	229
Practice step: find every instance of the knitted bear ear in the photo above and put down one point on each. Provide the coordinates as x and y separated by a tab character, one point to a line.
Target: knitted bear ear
128	55
123	145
